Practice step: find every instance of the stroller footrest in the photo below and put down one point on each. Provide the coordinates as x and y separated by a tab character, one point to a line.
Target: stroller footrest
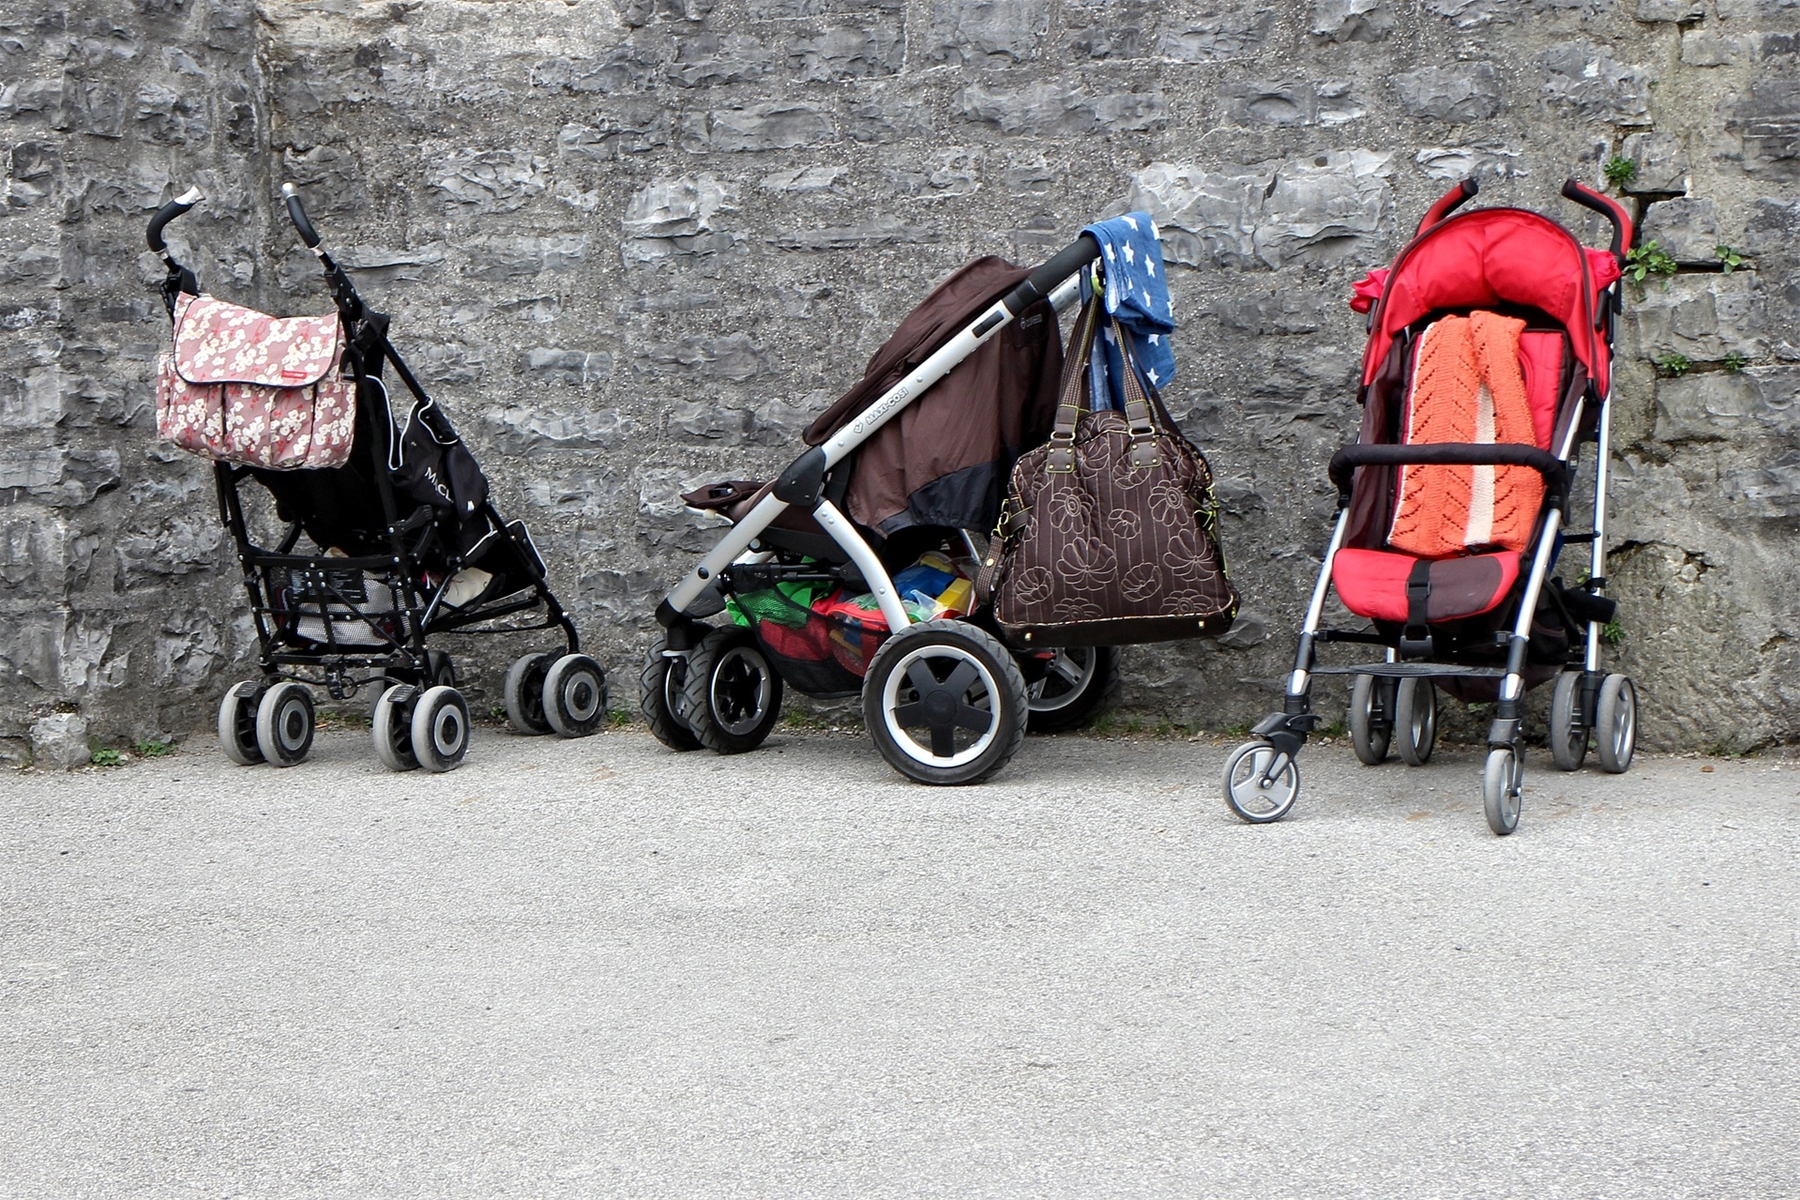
1413	670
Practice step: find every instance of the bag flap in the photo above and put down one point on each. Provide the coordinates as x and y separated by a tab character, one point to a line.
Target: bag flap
216	342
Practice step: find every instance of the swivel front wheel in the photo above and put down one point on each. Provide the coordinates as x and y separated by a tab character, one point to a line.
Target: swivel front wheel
575	695
440	729
1261	784
1502	789
284	724
732	694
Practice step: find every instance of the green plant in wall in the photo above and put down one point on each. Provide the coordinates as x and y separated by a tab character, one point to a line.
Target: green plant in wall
106	756
1619	171
1734	363
1673	364
1646	260
1729	259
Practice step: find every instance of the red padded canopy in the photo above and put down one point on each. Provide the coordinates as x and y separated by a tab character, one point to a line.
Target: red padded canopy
1491	257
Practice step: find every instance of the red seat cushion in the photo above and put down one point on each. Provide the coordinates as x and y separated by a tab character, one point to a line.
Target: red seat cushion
1372	583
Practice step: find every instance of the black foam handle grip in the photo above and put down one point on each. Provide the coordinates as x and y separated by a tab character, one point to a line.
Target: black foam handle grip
1345	461
1043	281
1607	207
297	215
168	212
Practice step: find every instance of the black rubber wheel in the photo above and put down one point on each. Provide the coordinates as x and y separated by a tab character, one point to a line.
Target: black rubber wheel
1076	683
1415	720
284	724
660	698
523	693
1502	790
1371	718
732	695
945	703
1568	731
1251	792
440	729
1615	724
237	722
393	727
575	695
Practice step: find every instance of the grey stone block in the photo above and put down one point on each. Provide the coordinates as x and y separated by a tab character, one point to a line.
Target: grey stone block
1214	37
488	181
973	31
1703	317
779	126
733	357
1049	109
574	367
1282	311
1721	406
524	431
1662	163
1207	218
851	50
1352	20
1448	164
1670	10
878	231
1324	207
57	477
59	742
1702	47
1768	120
1584	81
1686	228
712	60
1460	93
1769	492
677	217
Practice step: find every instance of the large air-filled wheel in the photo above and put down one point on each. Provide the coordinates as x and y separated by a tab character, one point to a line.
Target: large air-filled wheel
945	703
237	722
1260	783
1615	724
1502	789
575	695
393	727
1415	720
661	699
440	729
732	695
1371	718
284	724
523	693
1568	729
1076	683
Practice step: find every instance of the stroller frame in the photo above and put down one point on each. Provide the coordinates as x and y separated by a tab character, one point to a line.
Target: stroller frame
1261	778
804	485
330	592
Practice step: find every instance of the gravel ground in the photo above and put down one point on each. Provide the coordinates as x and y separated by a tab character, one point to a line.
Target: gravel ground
600	968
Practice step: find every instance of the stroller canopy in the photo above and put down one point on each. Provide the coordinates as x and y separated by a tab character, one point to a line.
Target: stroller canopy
1492	258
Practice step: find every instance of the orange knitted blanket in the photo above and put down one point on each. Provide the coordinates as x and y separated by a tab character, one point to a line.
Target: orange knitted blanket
1467	386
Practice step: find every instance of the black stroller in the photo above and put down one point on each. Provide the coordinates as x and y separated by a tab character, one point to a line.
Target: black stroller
401	544
1488	366
825	569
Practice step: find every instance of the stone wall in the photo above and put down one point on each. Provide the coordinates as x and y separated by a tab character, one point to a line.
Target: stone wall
635	246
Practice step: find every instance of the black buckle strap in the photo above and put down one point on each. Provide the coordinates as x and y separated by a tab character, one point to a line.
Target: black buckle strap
1415	637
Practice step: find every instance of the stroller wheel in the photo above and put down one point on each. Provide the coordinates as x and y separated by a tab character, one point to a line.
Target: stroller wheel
1615	723
237	723
524	693
732	695
1252	792
284	724
1076	684
945	703
393	727
1415	720
440	729
1502	789
575	695
1568	732
1371	718
660	686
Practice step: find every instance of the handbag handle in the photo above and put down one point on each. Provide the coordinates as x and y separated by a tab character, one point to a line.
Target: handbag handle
1061	457
1138	414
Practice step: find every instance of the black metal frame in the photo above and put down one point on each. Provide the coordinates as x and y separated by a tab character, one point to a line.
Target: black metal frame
333	590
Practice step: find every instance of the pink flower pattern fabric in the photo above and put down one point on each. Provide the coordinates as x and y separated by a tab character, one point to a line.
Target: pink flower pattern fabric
244	387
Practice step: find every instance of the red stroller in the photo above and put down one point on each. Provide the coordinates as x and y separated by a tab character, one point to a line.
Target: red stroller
1487	368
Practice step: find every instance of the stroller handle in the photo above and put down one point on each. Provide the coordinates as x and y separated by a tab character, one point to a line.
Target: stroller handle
1043	281
168	212
297	214
1606	206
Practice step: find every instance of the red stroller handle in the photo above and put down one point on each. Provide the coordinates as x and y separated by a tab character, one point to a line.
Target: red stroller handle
1606	206
1448	203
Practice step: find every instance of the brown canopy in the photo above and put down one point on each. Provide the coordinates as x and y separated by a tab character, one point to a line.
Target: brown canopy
944	460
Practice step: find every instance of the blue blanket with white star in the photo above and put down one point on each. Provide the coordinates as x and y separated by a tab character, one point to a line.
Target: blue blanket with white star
1138	295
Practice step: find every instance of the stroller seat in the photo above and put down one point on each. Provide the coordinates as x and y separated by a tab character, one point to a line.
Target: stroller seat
1446	541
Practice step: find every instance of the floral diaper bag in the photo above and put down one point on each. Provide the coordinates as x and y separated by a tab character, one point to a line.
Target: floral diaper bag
243	387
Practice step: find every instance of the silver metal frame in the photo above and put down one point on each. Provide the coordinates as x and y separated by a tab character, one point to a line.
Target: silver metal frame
738	544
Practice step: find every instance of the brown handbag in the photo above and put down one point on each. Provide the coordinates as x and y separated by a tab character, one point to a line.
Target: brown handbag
1108	535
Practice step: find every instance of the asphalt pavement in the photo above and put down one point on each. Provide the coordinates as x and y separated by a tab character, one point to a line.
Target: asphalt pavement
602	968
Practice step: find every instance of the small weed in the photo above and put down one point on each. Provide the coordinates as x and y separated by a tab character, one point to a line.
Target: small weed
1612	633
1331	729
804	720
497	712
1729	259
1619	171
1241	729
1734	363
619	718
106	756
150	748
1674	364
1646	260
